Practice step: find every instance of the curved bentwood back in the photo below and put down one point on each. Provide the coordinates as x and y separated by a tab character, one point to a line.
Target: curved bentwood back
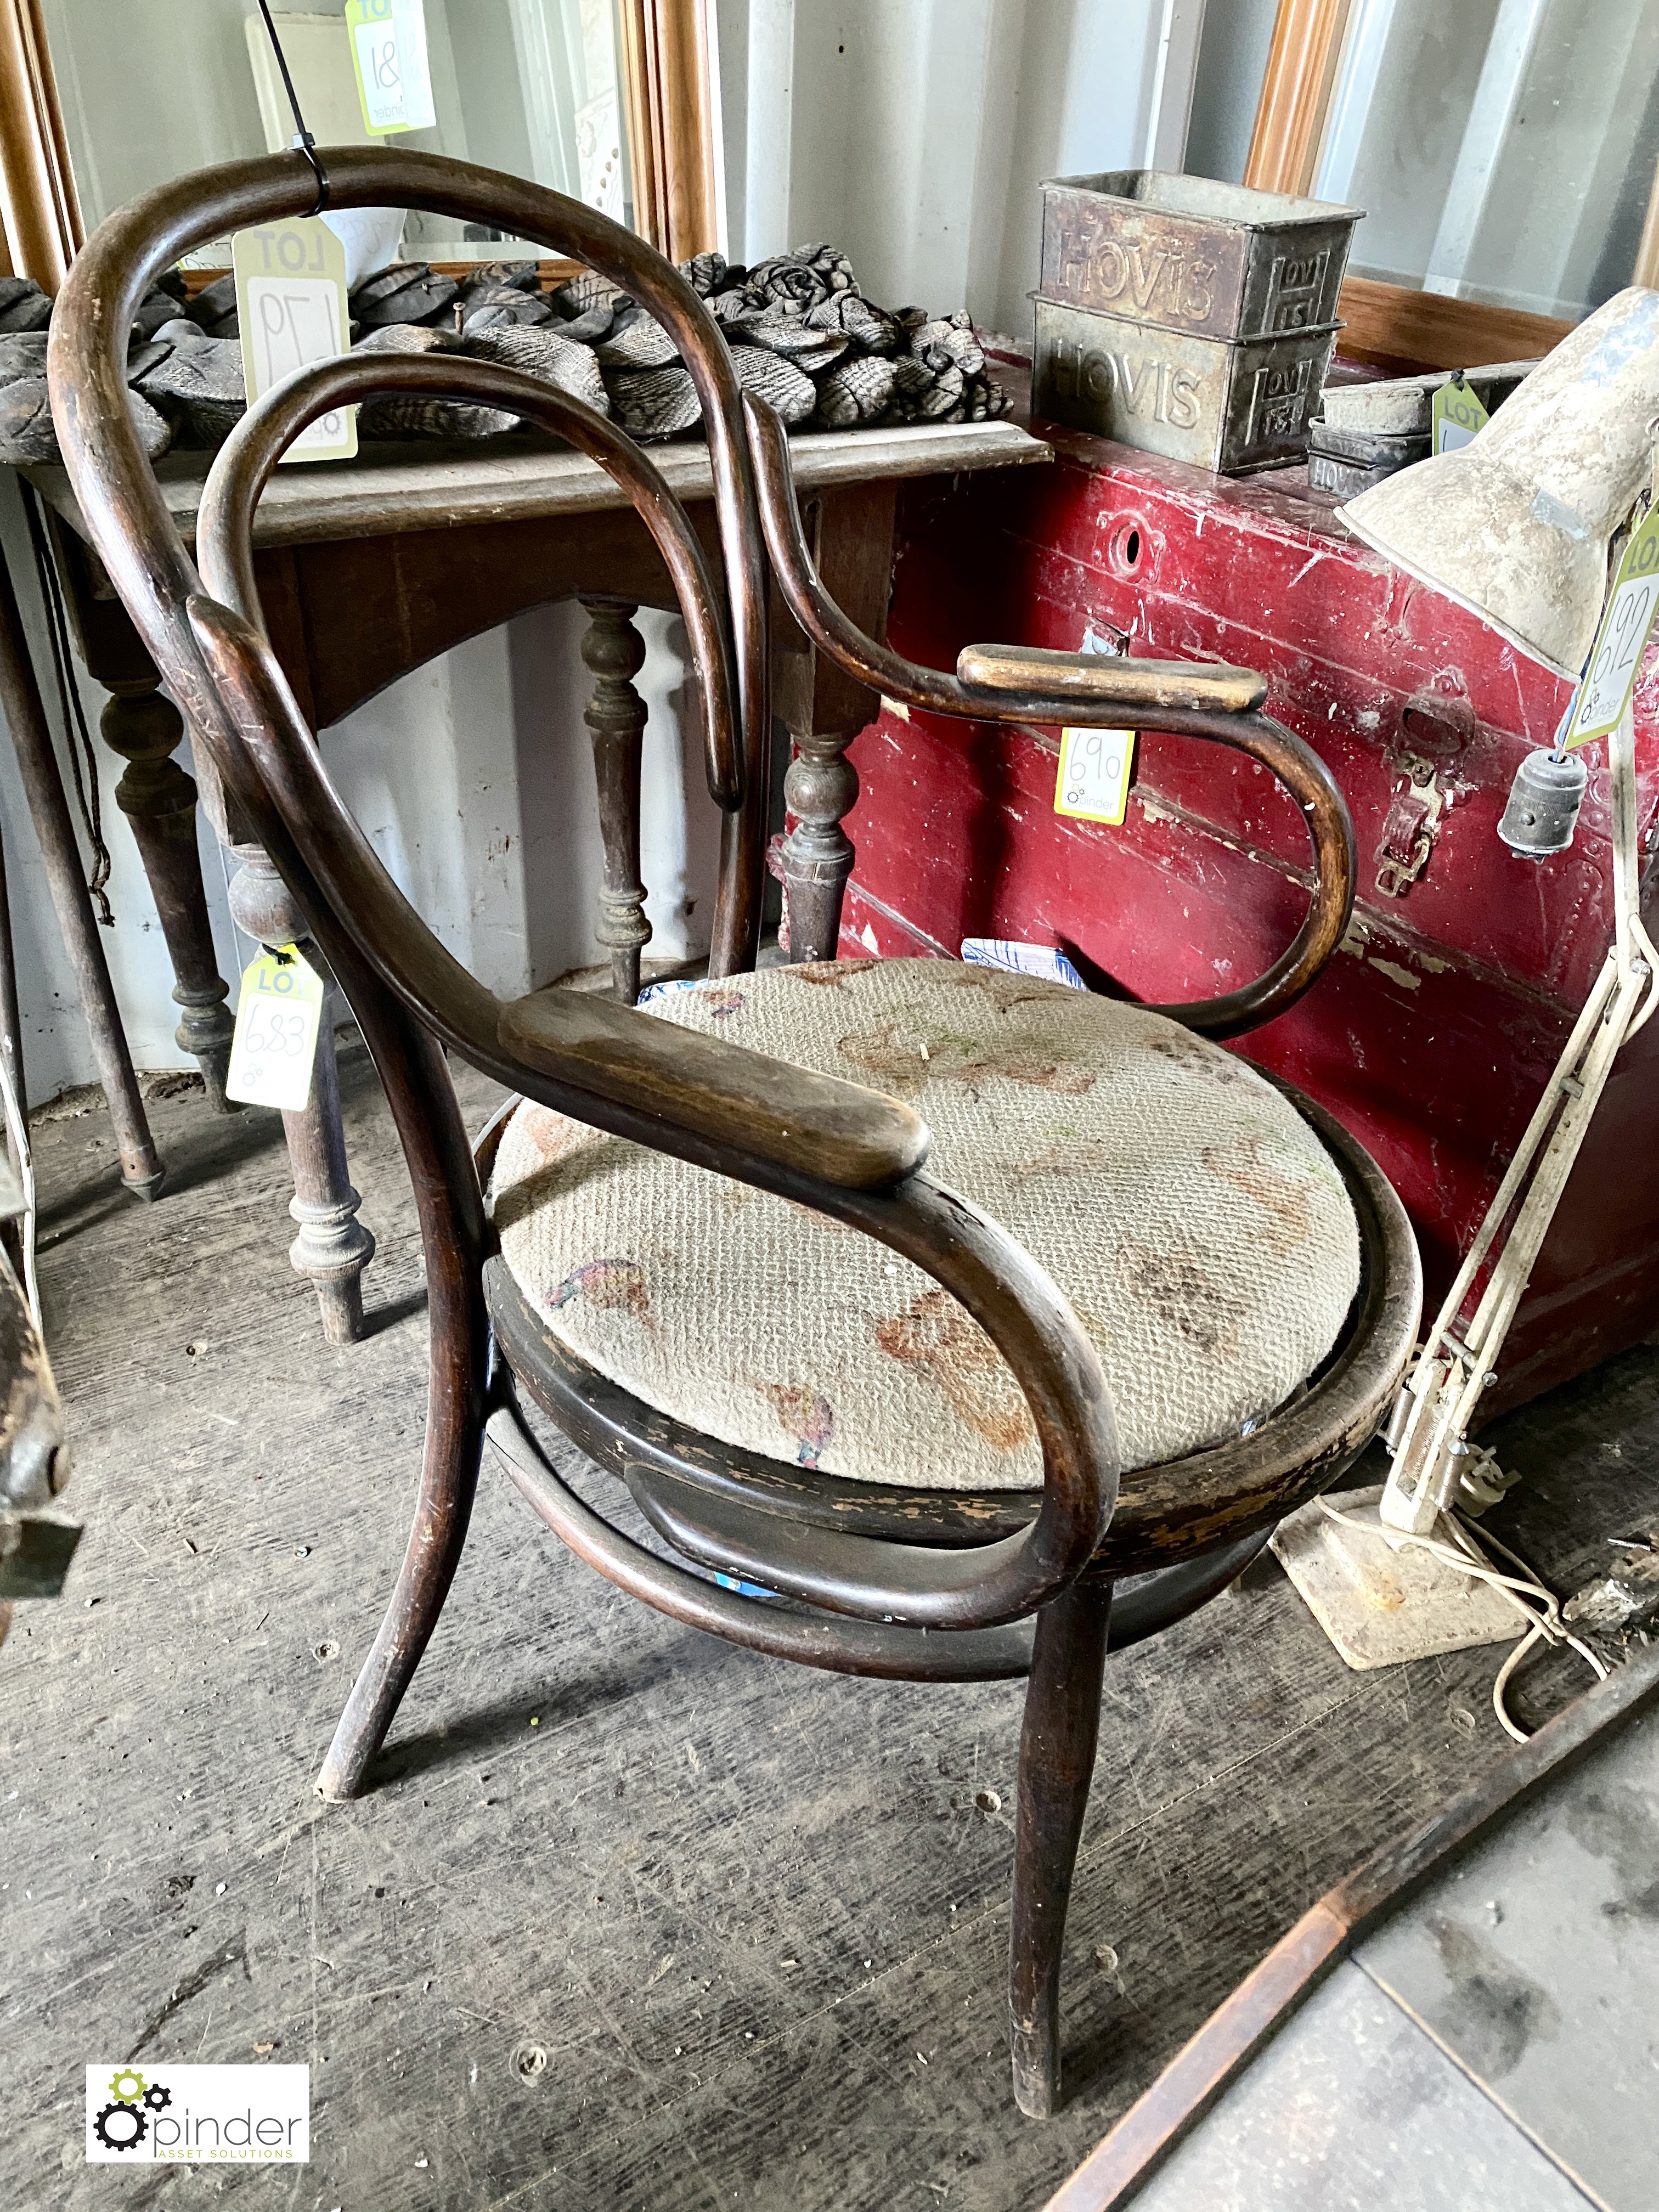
140	544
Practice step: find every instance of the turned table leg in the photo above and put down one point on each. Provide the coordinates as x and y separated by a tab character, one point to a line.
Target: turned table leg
333	1247
158	800
850	535
613	652
819	788
155	795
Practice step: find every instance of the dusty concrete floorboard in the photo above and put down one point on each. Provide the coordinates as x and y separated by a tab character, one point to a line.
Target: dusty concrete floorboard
715	1930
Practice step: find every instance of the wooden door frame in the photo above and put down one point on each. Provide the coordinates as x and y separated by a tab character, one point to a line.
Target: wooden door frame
667	66
1296	94
1397	324
668	77
38	199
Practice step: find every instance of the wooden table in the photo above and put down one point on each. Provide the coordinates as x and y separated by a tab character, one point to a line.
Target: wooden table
371	569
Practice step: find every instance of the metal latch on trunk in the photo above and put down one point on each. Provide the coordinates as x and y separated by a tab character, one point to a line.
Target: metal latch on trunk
1411	826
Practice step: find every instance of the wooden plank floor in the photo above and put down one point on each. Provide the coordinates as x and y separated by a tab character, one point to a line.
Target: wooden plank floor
713	1930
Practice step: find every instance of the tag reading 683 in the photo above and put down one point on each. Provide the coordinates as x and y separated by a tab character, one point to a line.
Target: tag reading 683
278	1017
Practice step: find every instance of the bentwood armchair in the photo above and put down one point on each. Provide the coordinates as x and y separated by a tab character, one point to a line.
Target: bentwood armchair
933	1303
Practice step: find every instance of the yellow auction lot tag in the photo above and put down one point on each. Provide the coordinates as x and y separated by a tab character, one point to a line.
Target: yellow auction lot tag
291	309
394	78
279	1015
1455	417
1622	638
1097	768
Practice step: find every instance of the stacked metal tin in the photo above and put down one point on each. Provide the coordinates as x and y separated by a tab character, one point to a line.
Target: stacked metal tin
1368	431
1187	318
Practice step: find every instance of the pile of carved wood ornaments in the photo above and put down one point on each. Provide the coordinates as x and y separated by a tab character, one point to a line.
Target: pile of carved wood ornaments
802	336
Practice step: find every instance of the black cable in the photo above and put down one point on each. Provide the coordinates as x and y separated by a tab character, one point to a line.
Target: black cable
75	718
302	141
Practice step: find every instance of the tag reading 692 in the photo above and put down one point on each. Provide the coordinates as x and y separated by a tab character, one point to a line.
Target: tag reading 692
1619	642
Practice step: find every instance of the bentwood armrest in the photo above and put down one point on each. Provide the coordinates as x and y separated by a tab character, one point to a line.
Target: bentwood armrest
1098	675
840	1132
856	1139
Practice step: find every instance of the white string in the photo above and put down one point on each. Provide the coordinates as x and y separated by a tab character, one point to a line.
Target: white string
1466	1551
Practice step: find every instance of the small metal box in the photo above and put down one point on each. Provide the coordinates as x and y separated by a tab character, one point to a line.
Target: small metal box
1351	461
1185	253
1229	406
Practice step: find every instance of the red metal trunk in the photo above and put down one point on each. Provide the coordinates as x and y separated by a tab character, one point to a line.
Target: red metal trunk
1433	1031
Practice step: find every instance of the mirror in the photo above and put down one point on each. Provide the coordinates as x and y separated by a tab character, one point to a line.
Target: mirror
155	88
1504	149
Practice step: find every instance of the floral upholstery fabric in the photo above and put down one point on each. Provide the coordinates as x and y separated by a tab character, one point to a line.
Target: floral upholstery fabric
1200	1230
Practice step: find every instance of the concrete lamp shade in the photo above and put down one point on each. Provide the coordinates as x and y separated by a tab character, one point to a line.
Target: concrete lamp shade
1516	525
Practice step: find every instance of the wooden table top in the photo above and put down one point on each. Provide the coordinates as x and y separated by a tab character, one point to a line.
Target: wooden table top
389	488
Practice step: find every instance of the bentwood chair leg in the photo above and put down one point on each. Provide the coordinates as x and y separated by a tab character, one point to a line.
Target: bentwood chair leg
417	1081
449	1480
1056	1765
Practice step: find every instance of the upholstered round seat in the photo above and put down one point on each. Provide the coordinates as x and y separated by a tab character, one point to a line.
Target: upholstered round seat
1200	1230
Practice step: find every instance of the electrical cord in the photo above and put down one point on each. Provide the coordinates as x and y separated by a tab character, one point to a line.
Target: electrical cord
83	756
1466	1552
302	141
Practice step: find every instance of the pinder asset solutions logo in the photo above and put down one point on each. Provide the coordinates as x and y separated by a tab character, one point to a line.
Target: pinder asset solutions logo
242	2115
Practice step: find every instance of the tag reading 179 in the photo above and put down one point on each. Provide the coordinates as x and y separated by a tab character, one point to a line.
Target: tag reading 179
291	308
1611	675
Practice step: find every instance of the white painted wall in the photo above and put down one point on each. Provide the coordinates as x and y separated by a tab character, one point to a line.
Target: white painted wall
1233	60
915	132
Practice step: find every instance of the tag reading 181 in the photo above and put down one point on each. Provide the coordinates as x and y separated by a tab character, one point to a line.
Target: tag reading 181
394	79
278	1015
1097	768
1611	677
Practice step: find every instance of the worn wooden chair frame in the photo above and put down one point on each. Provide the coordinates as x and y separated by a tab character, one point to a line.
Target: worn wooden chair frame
881	1581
